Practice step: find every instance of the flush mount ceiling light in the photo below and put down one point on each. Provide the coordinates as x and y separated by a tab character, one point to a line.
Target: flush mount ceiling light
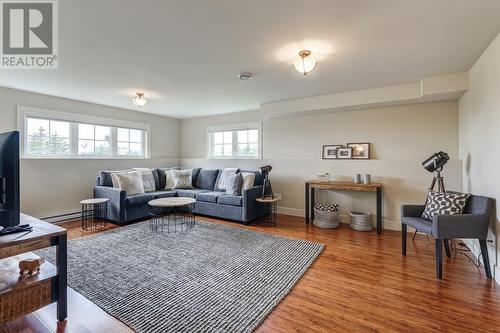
305	63
140	100
245	76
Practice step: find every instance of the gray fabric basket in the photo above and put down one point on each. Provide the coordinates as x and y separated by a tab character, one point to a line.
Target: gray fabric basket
326	219
360	221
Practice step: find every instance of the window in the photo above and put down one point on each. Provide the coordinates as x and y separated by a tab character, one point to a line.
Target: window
47	134
47	137
235	141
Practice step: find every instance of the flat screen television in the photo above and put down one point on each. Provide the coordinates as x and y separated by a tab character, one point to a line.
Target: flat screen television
9	179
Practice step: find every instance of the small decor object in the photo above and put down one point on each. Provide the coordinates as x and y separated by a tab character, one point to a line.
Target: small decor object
344	153
357	178
267	190
324	177
30	267
367	179
330	152
360	151
444	204
360	221
326	216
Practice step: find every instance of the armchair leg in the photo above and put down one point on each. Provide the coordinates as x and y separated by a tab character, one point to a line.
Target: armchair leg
439	259
404	229
447	248
486	258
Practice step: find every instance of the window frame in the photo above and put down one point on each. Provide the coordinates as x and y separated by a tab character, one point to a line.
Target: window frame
234	128
24	112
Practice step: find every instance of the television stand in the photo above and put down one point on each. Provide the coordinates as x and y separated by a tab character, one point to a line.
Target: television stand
19	297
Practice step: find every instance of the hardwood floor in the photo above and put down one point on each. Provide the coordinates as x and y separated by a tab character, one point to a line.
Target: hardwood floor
360	283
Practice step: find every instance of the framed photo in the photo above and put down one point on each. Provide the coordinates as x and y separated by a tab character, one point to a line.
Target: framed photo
344	153
360	151
330	152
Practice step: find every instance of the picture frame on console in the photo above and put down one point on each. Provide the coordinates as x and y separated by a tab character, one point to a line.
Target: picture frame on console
360	151
330	152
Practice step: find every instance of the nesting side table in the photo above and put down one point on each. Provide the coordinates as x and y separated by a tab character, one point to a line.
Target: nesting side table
94	213
273	208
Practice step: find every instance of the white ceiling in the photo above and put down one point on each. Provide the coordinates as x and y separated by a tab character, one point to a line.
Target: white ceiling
185	54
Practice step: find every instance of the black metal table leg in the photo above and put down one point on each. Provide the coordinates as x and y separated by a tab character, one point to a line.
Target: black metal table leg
307	203
379	211
62	277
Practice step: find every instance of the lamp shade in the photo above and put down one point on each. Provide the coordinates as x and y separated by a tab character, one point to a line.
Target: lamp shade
436	161
140	100
305	63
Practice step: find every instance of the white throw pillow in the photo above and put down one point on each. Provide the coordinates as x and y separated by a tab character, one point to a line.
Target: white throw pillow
248	180
131	182
169	180
148	179
114	177
182	178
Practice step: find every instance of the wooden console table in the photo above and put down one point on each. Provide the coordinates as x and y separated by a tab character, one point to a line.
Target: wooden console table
312	185
20	297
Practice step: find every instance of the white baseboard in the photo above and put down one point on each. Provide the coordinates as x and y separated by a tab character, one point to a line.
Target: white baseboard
343	218
62	218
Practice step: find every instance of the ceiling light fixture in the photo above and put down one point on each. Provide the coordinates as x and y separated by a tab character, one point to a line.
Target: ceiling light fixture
245	76
140	100
305	63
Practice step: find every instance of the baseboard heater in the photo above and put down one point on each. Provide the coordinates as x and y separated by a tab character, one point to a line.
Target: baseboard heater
62	217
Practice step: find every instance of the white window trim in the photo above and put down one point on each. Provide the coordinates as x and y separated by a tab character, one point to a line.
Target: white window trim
233	127
24	112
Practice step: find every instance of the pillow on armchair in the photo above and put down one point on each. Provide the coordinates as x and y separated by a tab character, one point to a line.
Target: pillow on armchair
444	204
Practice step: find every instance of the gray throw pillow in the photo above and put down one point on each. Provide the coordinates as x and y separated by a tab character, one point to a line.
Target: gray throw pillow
182	178
234	183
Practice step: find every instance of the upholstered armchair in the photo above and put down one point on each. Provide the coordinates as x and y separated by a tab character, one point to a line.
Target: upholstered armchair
472	224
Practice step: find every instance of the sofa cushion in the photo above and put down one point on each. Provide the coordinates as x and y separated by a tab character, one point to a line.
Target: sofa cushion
230	200
209	196
259	179
105	177
206	179
164	194
139	199
418	223
190	193
194	175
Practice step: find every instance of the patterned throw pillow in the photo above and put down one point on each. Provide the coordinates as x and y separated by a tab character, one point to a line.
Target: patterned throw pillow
234	183
444	204
182	178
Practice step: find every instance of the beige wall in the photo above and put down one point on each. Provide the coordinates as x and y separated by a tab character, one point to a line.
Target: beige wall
51	187
401	137
479	120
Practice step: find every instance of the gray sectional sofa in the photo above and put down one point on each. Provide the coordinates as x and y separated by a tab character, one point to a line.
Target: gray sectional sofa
209	199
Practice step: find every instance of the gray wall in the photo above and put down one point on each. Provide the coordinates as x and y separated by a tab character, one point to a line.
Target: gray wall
479	120
401	137
56	186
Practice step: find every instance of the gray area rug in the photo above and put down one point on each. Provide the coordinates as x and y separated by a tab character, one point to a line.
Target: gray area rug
214	278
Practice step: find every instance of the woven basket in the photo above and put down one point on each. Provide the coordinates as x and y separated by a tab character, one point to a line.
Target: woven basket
326	219
360	221
23	301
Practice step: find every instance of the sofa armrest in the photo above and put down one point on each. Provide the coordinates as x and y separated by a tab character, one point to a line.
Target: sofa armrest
251	208
116	203
412	210
460	226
